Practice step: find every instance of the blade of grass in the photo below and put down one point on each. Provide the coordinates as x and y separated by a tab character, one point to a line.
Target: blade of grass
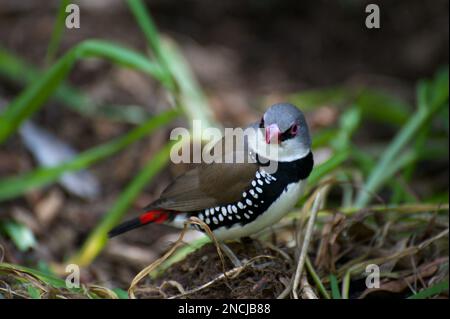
33	292
21	235
431	291
98	237
316	279
57	32
121	294
435	95
373	104
311	99
335	293
188	93
15	186
328	166
349	121
48	279
378	106
149	29
190	96
32	98
17	70
29	275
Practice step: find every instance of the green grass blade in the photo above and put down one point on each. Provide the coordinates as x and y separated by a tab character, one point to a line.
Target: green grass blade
335	293
17	70
48	279
435	95
431	291
121	56
57	32
190	96
99	236
32	98
316	279
381	107
33	292
146	24
18	271
311	99
373	104
187	92
21	235
328	166
349	121
15	186
121	294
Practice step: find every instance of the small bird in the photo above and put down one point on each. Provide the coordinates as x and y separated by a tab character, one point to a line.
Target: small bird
237	199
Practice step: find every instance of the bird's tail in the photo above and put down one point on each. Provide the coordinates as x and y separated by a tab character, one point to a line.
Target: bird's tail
152	216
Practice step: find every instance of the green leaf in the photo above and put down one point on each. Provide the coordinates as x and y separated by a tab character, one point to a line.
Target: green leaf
57	31
33	292
349	122
17	185
121	294
328	166
99	236
335	293
311	99
373	104
147	25
379	106
21	235
48	279
187	91
33	97
431	291
437	98
190	96
21	72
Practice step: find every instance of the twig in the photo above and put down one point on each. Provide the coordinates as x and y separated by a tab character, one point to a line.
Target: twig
192	221
286	291
144	272
278	250
306	241
407	252
307	292
173	283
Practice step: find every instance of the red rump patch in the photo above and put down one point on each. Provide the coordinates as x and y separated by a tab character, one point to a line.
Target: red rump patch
154	216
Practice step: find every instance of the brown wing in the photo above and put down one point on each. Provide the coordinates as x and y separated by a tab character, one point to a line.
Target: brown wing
209	185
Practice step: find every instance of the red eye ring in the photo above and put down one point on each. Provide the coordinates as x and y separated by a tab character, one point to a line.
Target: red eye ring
294	129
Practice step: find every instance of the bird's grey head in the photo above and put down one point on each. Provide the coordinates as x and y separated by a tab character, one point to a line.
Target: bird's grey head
283	134
283	122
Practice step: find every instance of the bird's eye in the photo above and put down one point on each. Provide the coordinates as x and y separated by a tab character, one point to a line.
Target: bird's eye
294	129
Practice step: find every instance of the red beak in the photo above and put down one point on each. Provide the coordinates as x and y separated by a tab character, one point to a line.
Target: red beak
272	134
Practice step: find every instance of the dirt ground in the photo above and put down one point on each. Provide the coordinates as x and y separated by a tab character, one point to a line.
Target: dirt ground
244	55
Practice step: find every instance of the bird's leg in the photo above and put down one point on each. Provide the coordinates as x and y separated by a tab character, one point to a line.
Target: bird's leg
233	258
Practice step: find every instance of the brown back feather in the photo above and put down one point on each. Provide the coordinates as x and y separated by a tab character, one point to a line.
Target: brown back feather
210	185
